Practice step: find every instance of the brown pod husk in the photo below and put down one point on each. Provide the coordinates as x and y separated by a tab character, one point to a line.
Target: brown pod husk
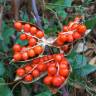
23	22
70	43
53	89
42	75
30	59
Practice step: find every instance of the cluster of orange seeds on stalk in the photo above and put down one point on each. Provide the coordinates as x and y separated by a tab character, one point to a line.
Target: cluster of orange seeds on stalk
73	31
33	48
56	66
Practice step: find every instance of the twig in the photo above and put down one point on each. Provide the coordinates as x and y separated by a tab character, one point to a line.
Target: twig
33	15
15	86
1	13
1	84
43	2
60	24
36	13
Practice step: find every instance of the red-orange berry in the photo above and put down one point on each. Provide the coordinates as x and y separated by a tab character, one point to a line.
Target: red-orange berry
58	57
56	81
27	28
18	26
65	29
64	72
28	68
59	42
52	70
41	67
33	30
17	57
28	78
23	37
16	48
62	37
38	50
70	38
74	26
81	29
40	34
76	35
24	56
48	80
35	73
20	72
31	53
32	42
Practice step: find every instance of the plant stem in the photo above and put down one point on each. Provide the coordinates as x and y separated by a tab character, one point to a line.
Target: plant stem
59	22
38	21
1	13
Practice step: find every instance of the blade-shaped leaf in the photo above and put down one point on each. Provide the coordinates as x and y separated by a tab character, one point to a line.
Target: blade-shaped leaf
90	23
77	61
2	69
8	32
67	3
58	1
4	90
18	41
87	69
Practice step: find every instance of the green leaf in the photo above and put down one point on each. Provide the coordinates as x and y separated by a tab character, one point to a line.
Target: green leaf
79	64
52	30
10	70
7	33
72	55
87	1
90	23
61	13
80	61
24	16
2	1
87	69
4	90
67	3
22	43
1	38
3	47
46	93
77	61
59	2
2	69
45	21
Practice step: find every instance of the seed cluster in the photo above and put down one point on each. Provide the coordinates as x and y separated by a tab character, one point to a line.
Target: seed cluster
73	31
56	66
33	48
